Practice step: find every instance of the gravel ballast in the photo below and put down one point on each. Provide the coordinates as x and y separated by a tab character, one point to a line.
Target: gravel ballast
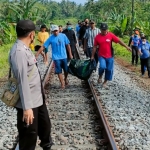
127	107
126	104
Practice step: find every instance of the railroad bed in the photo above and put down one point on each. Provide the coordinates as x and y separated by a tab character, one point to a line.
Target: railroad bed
75	121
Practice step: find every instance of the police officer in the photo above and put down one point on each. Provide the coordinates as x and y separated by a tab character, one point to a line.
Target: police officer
135	41
32	115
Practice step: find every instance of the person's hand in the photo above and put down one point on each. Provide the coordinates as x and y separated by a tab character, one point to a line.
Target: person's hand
71	57
92	58
36	56
28	116
129	49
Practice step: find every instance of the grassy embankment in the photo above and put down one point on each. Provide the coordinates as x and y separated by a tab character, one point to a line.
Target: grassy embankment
121	52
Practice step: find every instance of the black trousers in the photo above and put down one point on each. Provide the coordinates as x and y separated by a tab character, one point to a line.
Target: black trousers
41	127
145	62
135	55
73	50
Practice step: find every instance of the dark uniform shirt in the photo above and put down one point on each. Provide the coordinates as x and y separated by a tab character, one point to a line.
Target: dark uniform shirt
71	36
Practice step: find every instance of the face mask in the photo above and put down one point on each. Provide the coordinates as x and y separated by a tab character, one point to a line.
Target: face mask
69	28
143	42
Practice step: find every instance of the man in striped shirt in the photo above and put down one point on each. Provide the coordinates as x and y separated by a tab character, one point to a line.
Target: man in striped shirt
89	37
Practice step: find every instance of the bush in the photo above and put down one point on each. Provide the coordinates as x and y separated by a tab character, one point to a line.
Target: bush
122	52
4	65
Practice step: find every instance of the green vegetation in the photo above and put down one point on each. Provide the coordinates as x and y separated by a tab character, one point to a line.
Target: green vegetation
4	67
63	22
117	13
121	51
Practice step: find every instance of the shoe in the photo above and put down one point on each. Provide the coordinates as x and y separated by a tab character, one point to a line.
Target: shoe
142	75
48	147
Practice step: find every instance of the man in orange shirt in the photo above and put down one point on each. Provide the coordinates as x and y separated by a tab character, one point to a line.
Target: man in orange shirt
42	37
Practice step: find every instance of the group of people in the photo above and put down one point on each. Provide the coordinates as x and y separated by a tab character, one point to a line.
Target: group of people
97	44
32	115
140	46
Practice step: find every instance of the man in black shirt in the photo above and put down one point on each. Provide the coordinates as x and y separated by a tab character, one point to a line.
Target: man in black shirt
82	33
72	38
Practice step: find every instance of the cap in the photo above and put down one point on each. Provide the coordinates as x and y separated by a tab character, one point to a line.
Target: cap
68	23
103	26
24	26
55	27
43	26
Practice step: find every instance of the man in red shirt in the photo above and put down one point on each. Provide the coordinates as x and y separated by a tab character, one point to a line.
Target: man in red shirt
105	53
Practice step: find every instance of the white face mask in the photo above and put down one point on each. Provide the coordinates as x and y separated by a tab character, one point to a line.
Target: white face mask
143	42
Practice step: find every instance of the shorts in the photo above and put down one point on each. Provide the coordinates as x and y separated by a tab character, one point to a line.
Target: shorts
46	50
61	64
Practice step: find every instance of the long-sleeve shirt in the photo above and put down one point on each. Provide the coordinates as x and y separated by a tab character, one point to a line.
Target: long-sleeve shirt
22	62
82	31
145	50
134	40
71	36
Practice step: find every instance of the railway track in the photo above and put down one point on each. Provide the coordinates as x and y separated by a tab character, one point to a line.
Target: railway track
78	121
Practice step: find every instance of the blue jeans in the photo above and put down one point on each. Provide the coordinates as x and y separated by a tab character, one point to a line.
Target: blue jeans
107	66
59	65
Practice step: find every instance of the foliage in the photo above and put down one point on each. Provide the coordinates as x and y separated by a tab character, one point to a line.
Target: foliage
121	51
4	50
117	13
39	11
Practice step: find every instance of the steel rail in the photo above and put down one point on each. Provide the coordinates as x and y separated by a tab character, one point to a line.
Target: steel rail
109	134
103	118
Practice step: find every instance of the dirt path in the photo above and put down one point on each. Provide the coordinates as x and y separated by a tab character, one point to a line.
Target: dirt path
144	82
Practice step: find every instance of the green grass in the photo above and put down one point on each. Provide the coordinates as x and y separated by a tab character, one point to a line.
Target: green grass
64	21
4	66
122	52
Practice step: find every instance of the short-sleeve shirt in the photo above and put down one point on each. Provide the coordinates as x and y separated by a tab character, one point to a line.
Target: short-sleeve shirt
90	34
43	36
58	44
145	50
105	44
